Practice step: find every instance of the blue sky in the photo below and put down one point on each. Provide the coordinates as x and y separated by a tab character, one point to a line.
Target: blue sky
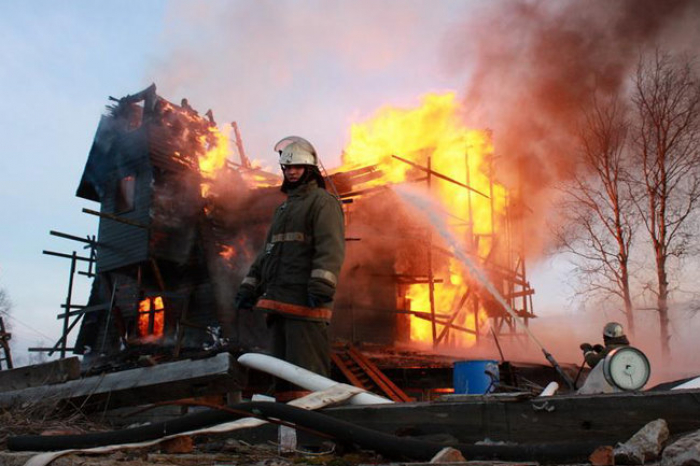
61	60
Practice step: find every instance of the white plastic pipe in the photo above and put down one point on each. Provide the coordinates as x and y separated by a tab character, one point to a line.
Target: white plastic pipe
302	377
550	389
693	383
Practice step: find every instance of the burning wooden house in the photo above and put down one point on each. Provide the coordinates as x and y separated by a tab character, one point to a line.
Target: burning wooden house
161	276
180	225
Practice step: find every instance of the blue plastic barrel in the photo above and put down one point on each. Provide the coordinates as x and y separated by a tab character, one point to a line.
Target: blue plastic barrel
470	377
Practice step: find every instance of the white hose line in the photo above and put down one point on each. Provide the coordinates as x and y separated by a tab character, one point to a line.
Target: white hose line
693	383
302	377
550	389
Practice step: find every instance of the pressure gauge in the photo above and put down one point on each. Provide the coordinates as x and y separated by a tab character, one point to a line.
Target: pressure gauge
626	368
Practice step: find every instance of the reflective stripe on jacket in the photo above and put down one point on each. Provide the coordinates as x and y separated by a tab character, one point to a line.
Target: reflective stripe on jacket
303	254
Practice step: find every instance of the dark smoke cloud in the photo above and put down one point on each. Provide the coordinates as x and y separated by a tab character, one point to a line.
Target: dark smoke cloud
537	64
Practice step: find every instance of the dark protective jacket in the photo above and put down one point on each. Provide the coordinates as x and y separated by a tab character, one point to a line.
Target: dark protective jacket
297	272
593	357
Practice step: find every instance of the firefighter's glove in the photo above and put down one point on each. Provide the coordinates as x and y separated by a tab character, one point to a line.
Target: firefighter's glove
320	292
598	348
245	298
316	301
586	347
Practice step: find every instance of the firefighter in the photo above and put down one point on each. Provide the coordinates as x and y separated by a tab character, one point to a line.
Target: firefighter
295	276
613	337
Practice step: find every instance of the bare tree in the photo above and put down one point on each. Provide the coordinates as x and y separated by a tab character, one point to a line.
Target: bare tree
666	99
597	208
5	304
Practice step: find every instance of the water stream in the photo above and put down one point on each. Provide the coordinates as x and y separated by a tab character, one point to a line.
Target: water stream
435	216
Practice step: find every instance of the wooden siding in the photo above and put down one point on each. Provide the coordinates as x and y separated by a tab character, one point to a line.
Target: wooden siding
120	244
176	206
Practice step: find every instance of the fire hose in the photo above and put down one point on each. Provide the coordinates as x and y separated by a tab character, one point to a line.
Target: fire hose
388	445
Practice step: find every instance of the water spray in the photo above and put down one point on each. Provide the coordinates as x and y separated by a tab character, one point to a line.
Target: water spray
425	206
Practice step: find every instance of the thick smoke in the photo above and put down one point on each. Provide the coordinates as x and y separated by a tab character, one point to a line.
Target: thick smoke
284	68
536	65
308	68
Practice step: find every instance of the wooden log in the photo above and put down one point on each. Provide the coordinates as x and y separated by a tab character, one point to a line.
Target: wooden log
171	381
37	375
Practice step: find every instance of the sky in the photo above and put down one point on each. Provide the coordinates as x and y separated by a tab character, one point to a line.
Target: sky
276	67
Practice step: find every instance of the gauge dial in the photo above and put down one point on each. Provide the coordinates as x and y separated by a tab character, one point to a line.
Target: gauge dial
626	368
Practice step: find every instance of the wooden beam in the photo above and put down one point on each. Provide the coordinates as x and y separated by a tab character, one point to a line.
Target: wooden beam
116	218
83	309
520	294
430	171
67	256
602	419
73	237
171	381
52	372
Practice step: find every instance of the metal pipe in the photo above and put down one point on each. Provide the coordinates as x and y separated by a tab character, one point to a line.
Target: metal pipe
302	377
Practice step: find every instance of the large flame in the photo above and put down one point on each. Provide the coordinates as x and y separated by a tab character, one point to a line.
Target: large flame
208	147
217	150
433	136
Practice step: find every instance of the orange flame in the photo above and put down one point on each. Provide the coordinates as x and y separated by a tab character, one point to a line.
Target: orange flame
238	250
227	252
434	136
151	319
217	150
212	147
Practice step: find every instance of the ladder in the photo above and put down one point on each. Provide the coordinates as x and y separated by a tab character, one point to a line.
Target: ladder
363	373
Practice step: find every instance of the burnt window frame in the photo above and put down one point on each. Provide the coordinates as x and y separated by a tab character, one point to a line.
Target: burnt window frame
151	318
122	203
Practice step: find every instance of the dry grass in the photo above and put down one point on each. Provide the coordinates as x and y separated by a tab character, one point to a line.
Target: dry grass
44	417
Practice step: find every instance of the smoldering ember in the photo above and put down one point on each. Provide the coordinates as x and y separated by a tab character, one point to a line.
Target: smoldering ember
433	288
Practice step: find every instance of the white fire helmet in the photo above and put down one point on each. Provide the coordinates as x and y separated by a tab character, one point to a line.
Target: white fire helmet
613	330
294	150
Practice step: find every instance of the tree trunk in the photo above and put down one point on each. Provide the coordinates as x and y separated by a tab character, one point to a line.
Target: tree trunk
627	298
662	303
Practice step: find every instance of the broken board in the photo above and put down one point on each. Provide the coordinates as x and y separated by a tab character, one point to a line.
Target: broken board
182	379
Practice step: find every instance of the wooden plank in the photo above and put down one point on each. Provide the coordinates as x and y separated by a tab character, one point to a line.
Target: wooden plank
67	256
606	419
520	294
83	310
430	171
340	364
48	373
171	381
382	381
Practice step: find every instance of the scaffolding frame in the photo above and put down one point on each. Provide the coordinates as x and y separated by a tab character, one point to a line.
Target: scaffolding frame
69	308
517	290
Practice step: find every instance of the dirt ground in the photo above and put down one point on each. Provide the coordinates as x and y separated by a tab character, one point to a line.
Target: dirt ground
230	452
